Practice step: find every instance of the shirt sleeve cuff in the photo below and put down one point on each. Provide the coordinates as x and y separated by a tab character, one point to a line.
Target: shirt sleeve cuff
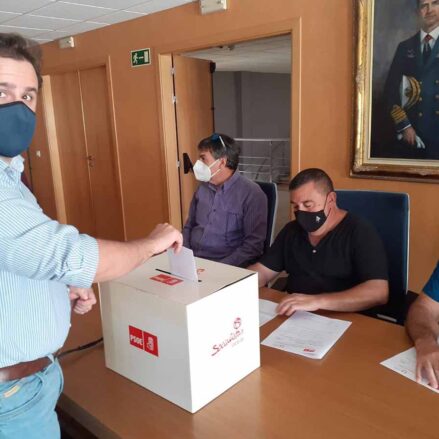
431	289
90	250
403	127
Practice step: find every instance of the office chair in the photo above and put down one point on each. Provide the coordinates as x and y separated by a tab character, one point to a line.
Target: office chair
270	190
389	213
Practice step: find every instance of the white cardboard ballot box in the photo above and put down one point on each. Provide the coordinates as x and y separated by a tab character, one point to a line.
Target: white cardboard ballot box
185	341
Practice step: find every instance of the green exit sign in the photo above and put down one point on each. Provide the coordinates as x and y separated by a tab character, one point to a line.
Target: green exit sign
140	57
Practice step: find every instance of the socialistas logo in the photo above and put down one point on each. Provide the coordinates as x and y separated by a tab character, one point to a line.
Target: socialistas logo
235	337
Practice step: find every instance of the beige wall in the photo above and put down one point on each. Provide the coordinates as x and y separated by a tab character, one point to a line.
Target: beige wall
321	111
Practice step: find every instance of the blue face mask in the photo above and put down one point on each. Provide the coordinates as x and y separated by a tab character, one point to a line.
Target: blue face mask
17	126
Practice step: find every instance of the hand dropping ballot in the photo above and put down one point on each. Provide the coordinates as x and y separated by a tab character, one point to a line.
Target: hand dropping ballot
182	264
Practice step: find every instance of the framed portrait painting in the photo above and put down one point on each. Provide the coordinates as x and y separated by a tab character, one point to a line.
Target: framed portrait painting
396	95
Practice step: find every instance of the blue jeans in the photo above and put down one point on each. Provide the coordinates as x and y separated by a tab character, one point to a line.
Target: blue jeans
27	406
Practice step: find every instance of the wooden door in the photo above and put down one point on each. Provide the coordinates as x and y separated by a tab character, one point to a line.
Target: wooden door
194	117
101	154
88	158
66	96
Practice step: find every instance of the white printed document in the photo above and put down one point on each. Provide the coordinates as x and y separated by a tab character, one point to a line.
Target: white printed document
183	264
405	364
307	334
267	311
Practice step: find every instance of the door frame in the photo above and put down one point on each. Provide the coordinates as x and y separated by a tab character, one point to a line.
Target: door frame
52	139
166	110
52	143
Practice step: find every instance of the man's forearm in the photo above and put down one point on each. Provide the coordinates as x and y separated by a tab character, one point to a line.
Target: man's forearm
421	324
363	296
119	258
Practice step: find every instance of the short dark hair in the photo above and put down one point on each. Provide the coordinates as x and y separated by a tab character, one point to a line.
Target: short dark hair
318	176
16	47
221	145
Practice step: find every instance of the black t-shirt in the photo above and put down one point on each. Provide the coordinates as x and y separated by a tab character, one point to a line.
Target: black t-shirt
348	255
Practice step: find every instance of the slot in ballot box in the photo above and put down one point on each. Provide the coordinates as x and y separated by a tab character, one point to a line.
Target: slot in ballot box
185	341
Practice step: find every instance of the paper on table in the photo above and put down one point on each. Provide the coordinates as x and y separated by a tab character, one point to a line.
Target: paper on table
183	264
307	334
267	311
405	364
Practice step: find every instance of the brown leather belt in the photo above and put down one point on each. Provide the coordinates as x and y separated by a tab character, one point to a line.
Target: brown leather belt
25	369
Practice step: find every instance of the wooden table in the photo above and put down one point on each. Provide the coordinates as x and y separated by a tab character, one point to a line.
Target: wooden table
348	394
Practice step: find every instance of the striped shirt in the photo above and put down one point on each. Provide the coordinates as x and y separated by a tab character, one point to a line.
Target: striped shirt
39	257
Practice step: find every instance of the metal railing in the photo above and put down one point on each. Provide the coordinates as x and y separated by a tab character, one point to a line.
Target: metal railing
265	159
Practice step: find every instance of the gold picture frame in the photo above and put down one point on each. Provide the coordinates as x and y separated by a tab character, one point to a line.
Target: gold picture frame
367	163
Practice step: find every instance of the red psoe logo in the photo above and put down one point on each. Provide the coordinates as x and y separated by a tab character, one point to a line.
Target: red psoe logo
136	337
165	279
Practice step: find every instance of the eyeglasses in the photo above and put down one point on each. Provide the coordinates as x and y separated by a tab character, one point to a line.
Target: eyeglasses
215	137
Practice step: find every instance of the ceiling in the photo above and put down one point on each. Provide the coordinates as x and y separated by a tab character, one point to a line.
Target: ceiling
47	20
268	55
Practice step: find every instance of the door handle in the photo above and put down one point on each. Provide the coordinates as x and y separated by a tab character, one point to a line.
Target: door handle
91	161
187	164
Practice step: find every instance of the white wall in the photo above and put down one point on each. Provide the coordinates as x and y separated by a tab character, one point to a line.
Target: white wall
254	105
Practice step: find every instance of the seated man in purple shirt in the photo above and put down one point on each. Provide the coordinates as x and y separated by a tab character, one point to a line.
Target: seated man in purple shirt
228	214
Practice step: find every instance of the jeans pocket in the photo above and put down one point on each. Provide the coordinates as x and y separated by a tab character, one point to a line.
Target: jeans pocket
21	396
61	378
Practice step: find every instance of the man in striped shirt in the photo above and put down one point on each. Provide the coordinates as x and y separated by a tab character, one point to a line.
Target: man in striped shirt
39	259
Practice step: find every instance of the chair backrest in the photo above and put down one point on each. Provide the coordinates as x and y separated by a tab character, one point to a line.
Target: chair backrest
389	213
270	190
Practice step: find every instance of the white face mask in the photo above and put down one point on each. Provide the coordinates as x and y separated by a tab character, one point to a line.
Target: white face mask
202	171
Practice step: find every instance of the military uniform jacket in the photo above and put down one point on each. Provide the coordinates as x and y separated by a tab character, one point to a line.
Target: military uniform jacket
423	114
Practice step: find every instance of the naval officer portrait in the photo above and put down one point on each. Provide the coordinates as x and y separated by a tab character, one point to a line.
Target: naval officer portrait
412	88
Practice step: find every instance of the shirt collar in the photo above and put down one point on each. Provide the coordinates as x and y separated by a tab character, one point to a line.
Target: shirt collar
16	164
434	33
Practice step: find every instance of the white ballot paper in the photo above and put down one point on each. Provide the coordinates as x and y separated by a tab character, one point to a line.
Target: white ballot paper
405	364
267	311
183	264
307	334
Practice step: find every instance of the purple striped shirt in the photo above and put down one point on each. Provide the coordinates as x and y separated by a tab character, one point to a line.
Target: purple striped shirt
227	223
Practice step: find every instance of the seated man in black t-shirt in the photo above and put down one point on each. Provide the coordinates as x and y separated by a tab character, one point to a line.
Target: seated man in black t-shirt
334	260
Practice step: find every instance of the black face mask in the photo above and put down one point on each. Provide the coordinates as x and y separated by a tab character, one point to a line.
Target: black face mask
311	221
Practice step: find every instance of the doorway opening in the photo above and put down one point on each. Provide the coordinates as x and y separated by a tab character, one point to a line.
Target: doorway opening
242	90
